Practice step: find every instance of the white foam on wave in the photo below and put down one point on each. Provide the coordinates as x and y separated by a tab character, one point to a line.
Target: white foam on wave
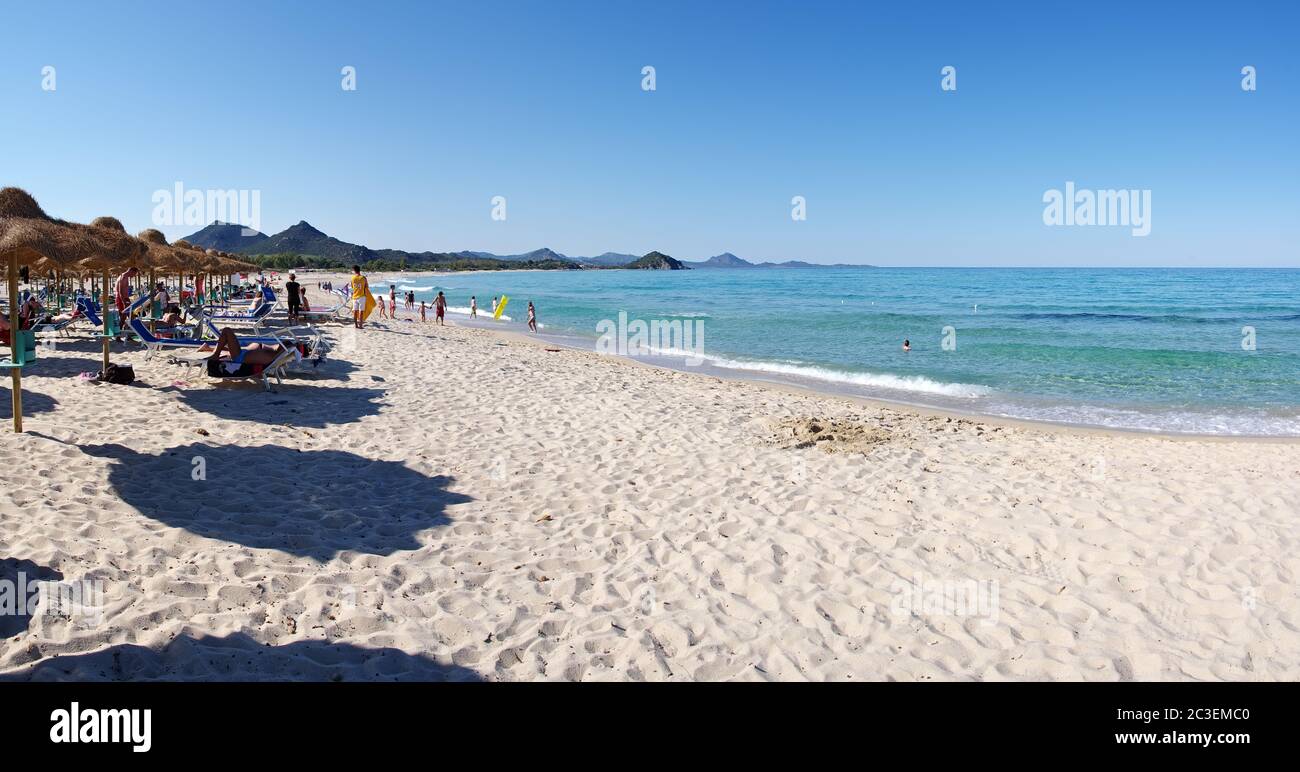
409	288
464	310
910	383
1237	422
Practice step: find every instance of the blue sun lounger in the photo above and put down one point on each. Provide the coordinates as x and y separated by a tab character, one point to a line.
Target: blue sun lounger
315	347
254	318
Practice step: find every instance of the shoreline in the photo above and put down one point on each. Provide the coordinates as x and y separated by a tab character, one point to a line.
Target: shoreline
919	409
830	391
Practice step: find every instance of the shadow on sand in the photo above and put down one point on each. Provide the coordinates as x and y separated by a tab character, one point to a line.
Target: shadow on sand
33	401
298	403
64	367
312	504
16	580
238	657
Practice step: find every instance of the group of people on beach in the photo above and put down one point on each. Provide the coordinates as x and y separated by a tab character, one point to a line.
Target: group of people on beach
360	287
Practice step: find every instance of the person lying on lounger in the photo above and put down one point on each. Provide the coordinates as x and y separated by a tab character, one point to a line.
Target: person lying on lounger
232	359
65	316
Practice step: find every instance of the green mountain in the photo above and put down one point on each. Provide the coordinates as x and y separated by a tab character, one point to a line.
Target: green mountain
227	237
658	261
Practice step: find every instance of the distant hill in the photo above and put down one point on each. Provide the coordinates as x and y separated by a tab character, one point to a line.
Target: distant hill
658	261
545	253
728	260
227	237
303	245
303	239
724	260
608	260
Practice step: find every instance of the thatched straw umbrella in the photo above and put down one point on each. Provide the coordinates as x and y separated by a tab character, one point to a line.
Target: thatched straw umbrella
161	257
121	252
231	264
28	236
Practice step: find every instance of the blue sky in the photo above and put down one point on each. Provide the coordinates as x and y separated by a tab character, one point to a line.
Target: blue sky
756	102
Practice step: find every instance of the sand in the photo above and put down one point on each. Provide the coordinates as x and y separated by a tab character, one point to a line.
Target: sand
454	503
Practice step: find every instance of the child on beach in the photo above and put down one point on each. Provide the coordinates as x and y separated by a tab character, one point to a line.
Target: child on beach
532	317
473	307
439	306
422	307
383	313
494	306
392	298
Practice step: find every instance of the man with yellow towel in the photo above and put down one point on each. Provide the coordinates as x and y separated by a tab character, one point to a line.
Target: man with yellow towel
362	301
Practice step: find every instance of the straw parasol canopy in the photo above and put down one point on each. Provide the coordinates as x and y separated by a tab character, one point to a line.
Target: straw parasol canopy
41	241
214	261
160	255
229	264
121	250
180	257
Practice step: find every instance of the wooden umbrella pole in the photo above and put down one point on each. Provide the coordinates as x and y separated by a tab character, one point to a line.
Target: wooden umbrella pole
16	373
107	300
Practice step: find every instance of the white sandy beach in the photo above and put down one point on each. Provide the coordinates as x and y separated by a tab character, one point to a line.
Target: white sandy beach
463	504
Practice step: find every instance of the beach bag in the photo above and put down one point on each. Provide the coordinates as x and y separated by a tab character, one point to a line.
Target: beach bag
122	375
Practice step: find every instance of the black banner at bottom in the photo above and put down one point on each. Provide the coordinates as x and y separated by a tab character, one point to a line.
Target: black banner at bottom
320	720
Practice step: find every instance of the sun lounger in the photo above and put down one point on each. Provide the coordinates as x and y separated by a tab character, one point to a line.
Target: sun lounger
276	369
155	344
340	309
255	318
307	341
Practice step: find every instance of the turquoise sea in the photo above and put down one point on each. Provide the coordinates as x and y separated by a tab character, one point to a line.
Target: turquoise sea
1148	349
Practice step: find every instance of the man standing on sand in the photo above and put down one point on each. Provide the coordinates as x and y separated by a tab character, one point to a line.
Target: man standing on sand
439	306
294	291
360	292
123	293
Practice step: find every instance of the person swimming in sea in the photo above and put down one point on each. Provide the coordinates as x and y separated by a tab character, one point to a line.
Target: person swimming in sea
907	344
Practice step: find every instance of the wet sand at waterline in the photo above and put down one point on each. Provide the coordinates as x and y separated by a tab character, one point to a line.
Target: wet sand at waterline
455	503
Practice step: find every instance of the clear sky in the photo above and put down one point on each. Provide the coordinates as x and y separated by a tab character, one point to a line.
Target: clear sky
755	102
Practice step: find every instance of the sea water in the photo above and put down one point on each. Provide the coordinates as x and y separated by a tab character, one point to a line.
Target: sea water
1206	351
